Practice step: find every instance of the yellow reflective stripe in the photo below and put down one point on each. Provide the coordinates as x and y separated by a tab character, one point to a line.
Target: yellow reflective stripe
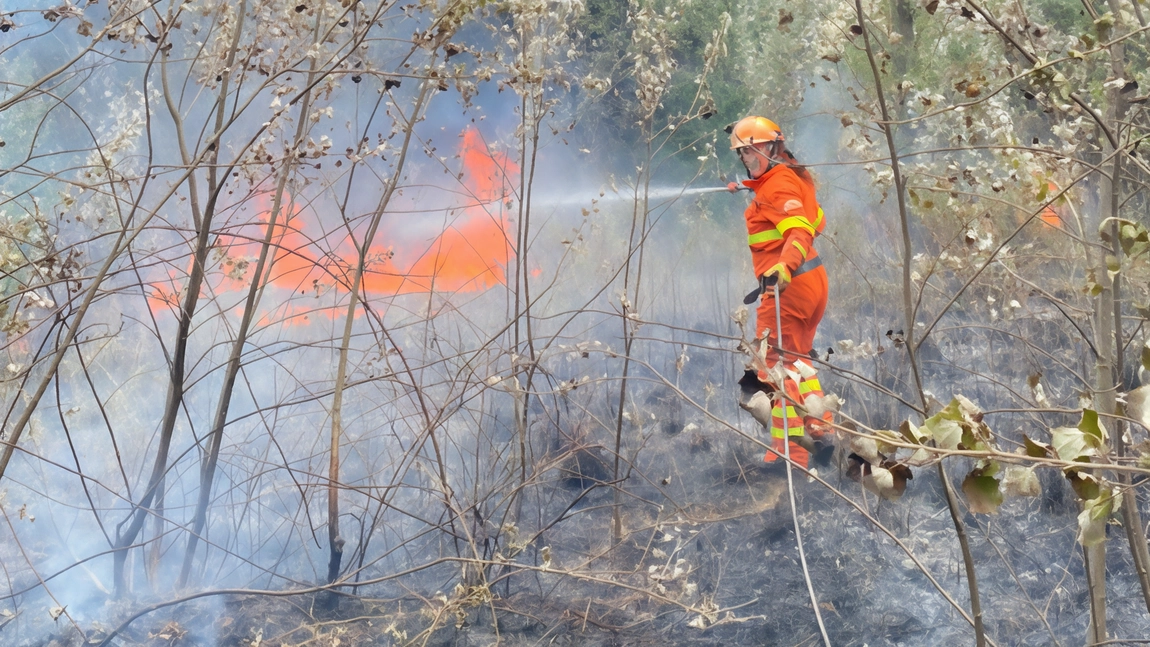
809	386
796	430
795	221
802	250
764	236
819	219
784	225
778	412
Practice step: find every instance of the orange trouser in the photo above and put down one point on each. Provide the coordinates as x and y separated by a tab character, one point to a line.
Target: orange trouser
802	305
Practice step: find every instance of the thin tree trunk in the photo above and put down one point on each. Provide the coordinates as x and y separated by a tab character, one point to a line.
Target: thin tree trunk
1131	518
522	275
1104	402
175	396
215	436
1094	559
902	21
335	540
911	343
638	225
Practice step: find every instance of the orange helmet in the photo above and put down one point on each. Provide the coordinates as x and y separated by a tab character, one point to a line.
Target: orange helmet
753	130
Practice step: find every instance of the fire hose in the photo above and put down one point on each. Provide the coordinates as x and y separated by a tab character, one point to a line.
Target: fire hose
773	282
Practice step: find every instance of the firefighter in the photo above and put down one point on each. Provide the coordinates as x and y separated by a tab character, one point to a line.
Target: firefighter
783	220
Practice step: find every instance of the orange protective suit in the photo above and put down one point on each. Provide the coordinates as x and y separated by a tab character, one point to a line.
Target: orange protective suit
782	222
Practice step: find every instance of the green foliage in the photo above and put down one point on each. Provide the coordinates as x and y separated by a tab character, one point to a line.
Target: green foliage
1085	485
731	97
1070	444
710	96
1134	263
1065	16
1079	444
1021	482
599	25
981	489
944	428
1095	514
1035	449
958	426
1074	444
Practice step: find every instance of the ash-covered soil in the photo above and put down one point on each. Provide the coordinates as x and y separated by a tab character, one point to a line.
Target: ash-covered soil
726	545
704	552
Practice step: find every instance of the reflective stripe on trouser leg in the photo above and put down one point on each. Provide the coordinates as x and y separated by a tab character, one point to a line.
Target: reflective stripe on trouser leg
816	426
794	425
779	427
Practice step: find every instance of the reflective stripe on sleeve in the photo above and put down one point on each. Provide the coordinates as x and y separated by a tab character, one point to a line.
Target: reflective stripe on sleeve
802	250
764	236
795	221
784	225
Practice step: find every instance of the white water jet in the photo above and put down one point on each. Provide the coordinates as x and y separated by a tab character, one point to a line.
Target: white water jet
653	194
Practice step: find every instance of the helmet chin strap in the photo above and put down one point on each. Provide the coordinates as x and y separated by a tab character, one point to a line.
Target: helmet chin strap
773	160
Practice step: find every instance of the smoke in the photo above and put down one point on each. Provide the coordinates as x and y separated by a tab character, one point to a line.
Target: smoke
484	400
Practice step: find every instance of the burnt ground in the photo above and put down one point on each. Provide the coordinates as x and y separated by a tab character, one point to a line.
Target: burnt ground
738	553
707	556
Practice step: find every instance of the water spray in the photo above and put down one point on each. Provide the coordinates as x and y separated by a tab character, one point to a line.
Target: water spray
657	193
680	192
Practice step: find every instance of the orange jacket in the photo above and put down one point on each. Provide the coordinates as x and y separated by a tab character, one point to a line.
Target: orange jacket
782	220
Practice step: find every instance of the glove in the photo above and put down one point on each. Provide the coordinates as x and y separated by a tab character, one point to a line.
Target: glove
777	274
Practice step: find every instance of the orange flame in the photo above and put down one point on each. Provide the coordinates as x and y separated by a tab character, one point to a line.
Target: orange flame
470	254
1049	216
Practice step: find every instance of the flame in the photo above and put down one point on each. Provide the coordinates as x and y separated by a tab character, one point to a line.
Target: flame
470	254
1049	216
